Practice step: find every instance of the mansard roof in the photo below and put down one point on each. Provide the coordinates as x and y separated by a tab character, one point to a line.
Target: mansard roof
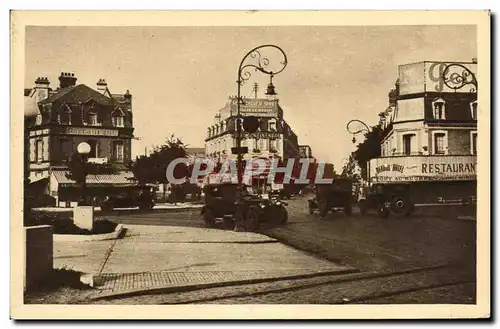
75	94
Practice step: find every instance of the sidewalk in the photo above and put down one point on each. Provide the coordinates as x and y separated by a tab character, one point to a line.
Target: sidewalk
158	206
173	258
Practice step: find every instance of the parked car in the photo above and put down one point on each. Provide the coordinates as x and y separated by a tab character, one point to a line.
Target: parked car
221	204
143	198
386	198
331	197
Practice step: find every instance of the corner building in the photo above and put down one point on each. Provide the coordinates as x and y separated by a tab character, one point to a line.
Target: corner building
60	119
430	133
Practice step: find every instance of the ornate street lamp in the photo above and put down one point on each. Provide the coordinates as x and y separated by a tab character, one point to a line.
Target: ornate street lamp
351	128
457	76
258	62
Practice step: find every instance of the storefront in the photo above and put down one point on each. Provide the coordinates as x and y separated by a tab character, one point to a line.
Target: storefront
433	179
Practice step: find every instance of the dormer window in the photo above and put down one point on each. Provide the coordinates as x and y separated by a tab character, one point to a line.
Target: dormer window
117	118
438	108
64	117
473	110
92	119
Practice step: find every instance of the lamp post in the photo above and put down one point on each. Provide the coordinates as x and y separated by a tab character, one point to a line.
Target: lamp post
349	128
84	150
456	76
258	62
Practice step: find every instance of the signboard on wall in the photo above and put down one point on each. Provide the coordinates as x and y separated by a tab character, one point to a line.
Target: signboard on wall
437	72
423	168
411	78
431	76
91	131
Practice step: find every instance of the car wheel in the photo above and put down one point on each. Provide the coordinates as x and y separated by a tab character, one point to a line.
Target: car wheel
229	223
348	210
362	208
209	218
383	212
399	205
106	207
282	215
252	220
323	208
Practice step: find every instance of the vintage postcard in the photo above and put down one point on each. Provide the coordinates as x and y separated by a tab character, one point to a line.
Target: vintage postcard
250	165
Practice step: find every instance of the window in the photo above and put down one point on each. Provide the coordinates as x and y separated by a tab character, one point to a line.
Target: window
473	110
118	121
39	150
94	149
65	149
473	142
407	143
118	151
439	146
92	119
438	109
64	117
272	126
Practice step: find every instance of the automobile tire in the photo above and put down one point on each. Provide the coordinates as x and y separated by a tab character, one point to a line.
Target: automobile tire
410	210
362	208
283	215
107	207
348	210
209	218
252	220
383	212
229	223
399	205
323	208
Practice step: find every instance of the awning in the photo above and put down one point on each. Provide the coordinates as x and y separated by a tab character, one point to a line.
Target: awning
120	179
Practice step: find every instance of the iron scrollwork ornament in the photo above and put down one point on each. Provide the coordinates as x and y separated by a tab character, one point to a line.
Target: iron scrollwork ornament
457	76
259	62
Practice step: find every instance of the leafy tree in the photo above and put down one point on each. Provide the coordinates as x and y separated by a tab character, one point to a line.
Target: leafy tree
152	168
368	149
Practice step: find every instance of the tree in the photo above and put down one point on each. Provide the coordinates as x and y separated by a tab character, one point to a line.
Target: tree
153	167
369	149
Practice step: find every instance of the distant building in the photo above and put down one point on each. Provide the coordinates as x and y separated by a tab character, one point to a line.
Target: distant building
61	118
305	151
275	138
430	132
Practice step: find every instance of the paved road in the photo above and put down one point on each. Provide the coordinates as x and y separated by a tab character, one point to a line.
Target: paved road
367	243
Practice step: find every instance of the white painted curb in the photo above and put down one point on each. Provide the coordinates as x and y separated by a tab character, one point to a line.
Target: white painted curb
94	237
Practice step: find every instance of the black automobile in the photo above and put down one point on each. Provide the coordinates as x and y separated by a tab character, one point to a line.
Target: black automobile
221	204
142	198
331	197
386	198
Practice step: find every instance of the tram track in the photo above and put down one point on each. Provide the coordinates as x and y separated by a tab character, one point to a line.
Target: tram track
343	289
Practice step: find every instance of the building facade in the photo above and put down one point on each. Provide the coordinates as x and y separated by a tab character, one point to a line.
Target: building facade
430	131
274	138
62	118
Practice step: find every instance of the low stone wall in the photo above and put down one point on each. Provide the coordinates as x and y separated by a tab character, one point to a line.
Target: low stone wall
38	255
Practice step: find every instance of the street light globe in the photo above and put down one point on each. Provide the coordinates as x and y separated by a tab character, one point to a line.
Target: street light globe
83	148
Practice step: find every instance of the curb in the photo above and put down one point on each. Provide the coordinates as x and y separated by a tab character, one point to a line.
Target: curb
92	237
126	210
198	286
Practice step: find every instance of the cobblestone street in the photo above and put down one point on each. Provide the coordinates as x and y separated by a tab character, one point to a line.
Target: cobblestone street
371	244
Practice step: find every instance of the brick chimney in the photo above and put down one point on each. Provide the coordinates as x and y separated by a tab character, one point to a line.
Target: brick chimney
67	80
41	90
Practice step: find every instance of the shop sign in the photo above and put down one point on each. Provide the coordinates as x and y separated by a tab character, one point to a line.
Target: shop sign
423	168
91	131
262	135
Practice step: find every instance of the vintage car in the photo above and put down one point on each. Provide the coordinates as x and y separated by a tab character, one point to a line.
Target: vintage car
221	203
386	198
331	197
142	197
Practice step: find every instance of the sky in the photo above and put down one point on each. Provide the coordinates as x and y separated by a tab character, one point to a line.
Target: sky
180	77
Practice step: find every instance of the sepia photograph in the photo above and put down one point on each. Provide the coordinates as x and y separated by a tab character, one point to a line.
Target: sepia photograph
235	165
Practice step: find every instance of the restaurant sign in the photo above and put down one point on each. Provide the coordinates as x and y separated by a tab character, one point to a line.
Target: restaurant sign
262	135
422	168
91	131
